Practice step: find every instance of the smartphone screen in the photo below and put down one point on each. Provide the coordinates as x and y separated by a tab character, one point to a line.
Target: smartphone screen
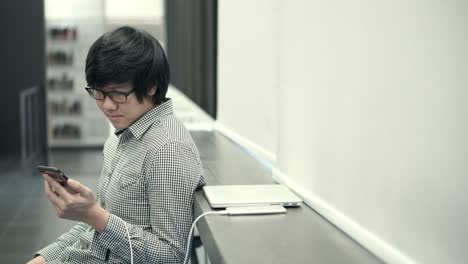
55	173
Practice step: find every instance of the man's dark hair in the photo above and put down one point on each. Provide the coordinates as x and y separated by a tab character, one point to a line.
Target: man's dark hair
130	55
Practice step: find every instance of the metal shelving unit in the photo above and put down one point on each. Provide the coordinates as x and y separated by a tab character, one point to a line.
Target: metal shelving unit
73	118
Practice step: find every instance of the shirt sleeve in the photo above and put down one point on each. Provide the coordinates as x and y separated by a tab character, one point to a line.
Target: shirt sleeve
54	250
172	177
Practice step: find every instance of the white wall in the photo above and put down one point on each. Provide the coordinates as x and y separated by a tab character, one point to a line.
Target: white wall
248	72
372	115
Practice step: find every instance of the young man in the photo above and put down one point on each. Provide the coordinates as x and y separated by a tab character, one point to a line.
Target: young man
151	165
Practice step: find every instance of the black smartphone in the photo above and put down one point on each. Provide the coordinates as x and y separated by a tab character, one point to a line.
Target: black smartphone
55	173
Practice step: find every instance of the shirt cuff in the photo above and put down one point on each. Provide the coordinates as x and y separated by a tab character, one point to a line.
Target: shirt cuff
114	233
50	252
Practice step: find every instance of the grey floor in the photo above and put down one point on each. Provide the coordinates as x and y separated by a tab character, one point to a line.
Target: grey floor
27	220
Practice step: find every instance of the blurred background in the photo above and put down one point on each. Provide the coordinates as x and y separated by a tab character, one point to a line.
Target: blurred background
358	106
51	40
48	117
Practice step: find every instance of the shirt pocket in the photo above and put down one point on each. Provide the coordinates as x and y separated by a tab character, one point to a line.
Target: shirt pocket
128	179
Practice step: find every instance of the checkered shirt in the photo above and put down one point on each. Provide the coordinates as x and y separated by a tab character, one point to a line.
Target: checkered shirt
150	172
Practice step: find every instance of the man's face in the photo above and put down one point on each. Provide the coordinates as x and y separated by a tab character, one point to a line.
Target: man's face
122	115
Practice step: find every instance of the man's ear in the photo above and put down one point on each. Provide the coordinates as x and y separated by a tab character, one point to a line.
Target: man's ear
152	91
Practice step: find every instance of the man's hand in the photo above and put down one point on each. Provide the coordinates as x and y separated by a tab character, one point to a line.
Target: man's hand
37	260
81	206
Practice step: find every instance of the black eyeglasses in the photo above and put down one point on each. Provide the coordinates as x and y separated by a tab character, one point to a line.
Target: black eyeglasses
116	97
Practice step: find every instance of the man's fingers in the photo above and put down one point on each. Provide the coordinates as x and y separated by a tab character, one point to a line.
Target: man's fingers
78	187
53	198
57	187
48	189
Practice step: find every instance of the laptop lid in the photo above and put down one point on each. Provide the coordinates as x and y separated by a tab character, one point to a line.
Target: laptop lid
222	196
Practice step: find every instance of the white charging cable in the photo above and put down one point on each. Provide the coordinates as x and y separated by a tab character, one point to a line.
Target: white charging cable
250	210
129	240
224	212
189	237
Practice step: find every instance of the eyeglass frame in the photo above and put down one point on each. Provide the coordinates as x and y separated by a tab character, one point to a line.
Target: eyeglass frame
126	94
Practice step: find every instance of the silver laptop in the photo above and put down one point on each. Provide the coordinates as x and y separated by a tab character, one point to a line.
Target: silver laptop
222	196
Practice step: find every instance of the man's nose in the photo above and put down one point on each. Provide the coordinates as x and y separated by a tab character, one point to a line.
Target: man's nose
108	104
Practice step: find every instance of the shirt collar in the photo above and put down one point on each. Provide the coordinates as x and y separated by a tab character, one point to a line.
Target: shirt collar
139	127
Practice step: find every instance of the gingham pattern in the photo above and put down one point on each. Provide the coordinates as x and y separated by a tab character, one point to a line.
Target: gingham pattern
149	176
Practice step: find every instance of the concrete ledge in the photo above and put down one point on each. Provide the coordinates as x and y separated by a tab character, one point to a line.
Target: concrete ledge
300	236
